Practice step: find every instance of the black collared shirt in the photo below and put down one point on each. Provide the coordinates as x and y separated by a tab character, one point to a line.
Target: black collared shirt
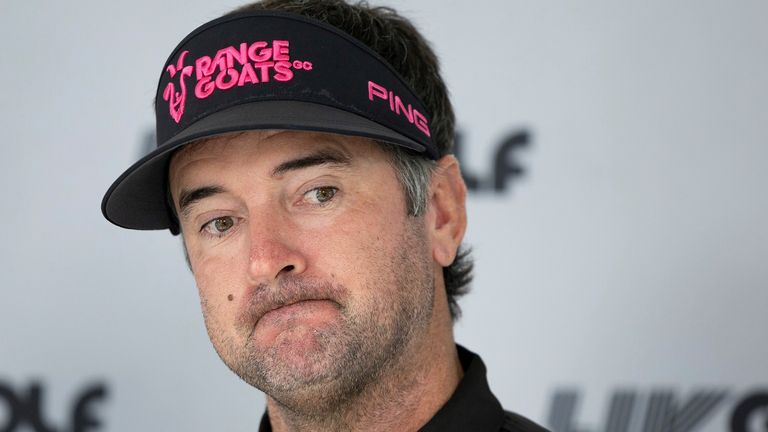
472	407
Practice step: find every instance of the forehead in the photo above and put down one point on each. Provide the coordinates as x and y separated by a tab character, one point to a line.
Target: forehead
270	146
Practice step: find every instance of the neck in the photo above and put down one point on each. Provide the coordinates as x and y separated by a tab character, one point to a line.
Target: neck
404	397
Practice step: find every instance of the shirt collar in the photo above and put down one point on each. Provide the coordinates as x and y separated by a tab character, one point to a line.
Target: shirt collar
471	407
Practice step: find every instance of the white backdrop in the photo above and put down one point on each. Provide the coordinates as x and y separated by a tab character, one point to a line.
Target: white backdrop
632	256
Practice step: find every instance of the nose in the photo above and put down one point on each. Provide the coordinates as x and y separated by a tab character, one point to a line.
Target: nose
275	250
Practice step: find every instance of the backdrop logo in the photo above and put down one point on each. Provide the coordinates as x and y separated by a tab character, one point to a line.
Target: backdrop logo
664	410
25	408
505	167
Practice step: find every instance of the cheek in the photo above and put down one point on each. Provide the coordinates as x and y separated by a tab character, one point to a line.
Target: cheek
359	252
219	282
215	286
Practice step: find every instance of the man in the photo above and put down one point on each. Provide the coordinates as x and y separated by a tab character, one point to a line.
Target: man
304	156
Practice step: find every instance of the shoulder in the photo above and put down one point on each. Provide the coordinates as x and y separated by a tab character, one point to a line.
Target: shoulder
517	423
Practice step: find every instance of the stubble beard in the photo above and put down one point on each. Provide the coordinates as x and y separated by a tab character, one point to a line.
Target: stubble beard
356	351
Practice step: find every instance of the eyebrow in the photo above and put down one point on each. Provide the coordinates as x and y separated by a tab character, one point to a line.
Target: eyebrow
188	198
326	156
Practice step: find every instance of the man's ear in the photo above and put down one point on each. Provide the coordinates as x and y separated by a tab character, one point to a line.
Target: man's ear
447	215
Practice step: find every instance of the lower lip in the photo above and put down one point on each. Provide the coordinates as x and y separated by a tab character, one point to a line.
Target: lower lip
293	329
307	310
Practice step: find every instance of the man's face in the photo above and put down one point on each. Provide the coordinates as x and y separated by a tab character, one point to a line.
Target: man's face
312	276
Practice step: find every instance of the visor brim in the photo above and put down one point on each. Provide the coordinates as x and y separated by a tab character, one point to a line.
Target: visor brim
137	199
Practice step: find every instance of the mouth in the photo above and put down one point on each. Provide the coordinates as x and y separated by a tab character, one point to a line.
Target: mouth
295	308
295	321
290	305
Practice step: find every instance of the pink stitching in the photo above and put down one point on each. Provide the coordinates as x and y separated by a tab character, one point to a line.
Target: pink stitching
256	63
376	90
408	113
176	100
284	72
247	75
232	66
397	106
226	85
264	54
281	50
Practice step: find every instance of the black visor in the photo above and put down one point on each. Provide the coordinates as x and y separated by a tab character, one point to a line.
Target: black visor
265	70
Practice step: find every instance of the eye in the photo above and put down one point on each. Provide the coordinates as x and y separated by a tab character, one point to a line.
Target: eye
320	195
219	226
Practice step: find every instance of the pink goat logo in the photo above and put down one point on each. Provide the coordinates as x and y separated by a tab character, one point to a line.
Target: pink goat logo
176	99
